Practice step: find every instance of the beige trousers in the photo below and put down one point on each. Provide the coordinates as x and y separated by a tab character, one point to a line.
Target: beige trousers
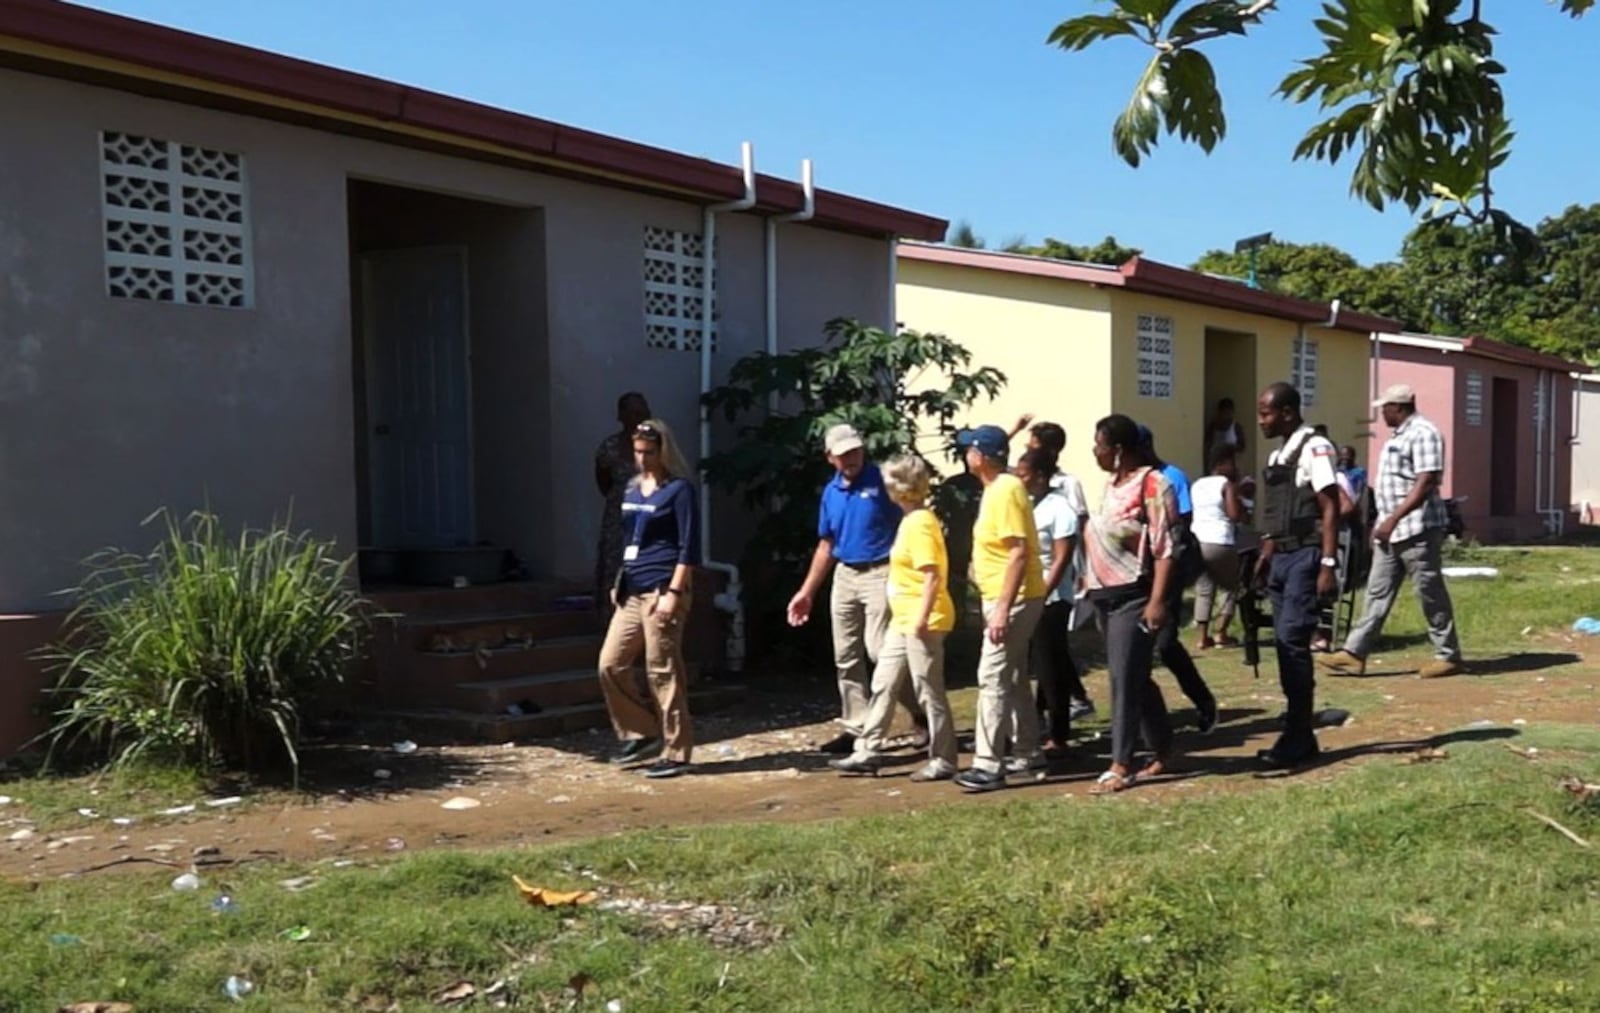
906	657
634	716
859	607
1005	697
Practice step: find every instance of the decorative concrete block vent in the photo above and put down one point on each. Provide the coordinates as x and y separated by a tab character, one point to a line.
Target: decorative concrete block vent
176	222
674	299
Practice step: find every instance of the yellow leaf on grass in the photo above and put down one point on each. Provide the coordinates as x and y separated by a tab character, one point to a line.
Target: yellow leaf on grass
538	896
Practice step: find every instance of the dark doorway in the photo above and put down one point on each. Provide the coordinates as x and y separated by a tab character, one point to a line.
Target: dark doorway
1503	449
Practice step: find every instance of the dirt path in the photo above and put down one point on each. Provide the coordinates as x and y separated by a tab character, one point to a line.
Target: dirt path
758	766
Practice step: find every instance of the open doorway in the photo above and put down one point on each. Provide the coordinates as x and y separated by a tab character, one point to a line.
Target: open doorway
1504	422
1230	373
451	368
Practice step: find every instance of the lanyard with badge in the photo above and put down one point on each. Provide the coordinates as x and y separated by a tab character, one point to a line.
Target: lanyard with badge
631	551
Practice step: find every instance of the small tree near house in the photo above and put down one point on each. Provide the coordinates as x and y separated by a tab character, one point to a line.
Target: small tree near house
902	390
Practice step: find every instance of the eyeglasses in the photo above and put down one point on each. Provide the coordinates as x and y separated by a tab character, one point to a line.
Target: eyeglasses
646	431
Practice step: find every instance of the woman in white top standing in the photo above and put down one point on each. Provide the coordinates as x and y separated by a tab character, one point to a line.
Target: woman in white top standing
1217	508
1050	658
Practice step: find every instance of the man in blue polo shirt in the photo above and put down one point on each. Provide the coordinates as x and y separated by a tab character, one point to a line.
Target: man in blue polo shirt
855	528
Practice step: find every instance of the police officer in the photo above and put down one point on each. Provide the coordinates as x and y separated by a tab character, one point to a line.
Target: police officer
1297	517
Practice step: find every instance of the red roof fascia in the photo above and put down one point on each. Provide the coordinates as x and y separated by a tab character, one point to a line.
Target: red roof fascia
1155	278
1491	349
227	64
1013	263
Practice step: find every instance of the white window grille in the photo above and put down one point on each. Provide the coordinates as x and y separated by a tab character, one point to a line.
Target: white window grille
1303	370
176	222
1474	409
1155	356
674	297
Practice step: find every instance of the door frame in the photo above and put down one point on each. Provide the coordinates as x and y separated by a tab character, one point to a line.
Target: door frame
370	349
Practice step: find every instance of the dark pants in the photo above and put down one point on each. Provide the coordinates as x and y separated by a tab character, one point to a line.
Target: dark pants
1137	708
1176	657
1050	656
1292	587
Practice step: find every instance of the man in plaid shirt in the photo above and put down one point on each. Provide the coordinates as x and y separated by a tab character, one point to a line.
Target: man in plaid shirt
1407	539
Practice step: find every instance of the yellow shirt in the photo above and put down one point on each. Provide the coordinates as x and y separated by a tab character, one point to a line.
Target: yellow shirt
1005	512
918	544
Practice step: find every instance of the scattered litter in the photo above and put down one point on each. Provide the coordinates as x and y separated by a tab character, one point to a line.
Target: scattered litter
1588	626
123	821
1583	790
186	883
298	883
725	750
461	802
177	810
460	992
394	844
5	800
1470	571
22	835
1527	630
1483	723
893	793
237	987
218	803
1563	831
297	934
65	939
1427	756
405	747
344	863
721	924
1520	721
161	849
559	799
382	774
224	905
538	896
206	851
96	1007
88	813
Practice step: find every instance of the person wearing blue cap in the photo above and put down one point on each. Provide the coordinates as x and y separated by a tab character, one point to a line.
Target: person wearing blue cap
1010	579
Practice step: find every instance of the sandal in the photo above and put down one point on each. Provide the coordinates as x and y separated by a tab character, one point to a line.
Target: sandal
1110	782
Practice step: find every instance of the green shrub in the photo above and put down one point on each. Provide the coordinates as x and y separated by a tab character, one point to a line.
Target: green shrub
206	650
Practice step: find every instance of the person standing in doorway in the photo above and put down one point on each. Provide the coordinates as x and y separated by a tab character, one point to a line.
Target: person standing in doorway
614	468
1297	517
856	525
1005	564
1407	540
1224	430
661	549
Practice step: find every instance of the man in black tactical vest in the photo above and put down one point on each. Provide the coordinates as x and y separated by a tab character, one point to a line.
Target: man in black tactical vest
1297	517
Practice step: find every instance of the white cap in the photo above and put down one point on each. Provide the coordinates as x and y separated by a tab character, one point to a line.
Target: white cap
842	439
1398	393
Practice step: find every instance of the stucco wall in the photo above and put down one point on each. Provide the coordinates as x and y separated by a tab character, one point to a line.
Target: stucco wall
1585	495
114	407
1179	423
1050	338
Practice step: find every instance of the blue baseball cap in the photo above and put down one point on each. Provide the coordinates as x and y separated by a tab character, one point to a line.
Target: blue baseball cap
991	441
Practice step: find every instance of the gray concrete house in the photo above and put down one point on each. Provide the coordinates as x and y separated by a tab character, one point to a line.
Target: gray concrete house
235	278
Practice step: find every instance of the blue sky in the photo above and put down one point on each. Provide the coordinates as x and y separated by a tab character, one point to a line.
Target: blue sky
952	107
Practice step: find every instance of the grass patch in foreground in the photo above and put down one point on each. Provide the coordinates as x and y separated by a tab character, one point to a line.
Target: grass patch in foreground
1391	887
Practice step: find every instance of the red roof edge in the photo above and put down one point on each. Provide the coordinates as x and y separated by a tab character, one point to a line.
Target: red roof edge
1156	278
1491	349
226	64
1012	263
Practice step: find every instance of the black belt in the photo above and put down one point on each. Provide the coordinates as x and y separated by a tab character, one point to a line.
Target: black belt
864	567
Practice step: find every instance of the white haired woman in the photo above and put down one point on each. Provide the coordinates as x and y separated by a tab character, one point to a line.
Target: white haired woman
661	547
920	615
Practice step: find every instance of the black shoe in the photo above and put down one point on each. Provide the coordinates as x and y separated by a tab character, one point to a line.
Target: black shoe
842	744
853	764
973	779
1288	753
666	768
637	751
1206	719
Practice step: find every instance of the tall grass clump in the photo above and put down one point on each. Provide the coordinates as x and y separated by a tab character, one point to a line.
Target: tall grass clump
205	651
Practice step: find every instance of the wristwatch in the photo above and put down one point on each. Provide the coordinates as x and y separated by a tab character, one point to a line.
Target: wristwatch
1330	562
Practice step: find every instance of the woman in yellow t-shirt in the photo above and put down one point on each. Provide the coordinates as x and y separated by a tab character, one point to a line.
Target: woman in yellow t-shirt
920	615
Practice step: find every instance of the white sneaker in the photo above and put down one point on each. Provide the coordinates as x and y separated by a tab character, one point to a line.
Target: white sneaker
934	770
1037	766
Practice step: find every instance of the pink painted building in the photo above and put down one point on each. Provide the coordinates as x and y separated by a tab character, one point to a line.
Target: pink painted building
1506	415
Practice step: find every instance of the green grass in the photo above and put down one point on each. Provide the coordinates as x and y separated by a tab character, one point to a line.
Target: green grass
1394	887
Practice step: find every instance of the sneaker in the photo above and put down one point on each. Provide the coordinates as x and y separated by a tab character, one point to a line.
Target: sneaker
1036	767
934	770
666	768
1344	663
1080	709
855	763
1206	720
1438	668
973	779
842	744
637	751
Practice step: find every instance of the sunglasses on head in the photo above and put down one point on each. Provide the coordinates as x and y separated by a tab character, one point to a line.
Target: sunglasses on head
645	431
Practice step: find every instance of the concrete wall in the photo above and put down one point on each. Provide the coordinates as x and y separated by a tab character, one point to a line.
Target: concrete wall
1050	338
1585	495
114	407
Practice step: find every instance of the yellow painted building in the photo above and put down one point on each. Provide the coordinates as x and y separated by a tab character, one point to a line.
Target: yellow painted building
1078	342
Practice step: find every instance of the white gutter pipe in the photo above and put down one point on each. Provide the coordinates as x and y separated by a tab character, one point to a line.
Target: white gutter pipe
730	600
807	184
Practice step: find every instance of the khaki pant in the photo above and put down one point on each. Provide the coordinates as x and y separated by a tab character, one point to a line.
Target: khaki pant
860	611
906	657
1005	697
634	631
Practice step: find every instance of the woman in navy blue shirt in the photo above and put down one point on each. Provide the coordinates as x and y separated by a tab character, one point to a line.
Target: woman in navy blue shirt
661	548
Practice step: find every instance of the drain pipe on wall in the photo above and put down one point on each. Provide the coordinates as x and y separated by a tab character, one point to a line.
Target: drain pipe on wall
1538	451
808	184
729	600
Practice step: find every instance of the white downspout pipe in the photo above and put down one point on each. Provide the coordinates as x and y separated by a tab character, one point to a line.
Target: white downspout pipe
1538	450
730	600
1558	511
892	325
808	185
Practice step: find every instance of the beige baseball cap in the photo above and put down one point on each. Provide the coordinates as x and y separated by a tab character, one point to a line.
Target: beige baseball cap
842	439
1399	393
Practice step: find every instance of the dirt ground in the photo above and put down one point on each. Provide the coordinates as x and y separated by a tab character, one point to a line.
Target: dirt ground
758	762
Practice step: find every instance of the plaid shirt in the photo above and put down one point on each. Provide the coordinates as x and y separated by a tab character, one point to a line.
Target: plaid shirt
1415	448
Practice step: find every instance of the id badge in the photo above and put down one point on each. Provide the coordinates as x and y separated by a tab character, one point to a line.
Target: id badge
630	553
